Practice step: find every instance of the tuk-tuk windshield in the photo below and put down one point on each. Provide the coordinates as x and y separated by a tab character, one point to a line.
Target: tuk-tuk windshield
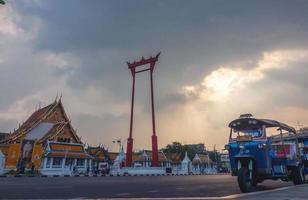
256	133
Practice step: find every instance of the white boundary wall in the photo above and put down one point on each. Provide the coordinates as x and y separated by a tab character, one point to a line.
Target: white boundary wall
138	171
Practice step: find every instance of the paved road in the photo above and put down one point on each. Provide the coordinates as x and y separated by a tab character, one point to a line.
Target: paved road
124	187
299	192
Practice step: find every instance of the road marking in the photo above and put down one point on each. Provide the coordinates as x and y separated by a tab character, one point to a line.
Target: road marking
153	191
256	193
123	194
218	198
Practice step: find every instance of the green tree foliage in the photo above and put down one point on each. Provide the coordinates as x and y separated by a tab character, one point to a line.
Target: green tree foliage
214	156
177	147
2	2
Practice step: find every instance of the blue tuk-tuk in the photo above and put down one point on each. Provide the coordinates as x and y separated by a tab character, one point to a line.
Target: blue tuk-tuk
254	157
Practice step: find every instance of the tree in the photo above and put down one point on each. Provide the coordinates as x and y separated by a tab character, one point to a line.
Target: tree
177	147
2	2
214	156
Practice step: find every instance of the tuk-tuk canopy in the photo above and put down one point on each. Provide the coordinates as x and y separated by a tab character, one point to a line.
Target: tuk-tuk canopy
245	123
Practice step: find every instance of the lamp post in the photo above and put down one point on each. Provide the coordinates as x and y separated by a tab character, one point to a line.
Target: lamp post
118	141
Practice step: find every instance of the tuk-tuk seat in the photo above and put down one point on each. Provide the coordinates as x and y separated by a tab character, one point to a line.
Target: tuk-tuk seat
285	150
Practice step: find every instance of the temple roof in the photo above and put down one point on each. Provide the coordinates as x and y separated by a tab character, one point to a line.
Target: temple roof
202	159
42	125
69	150
147	154
174	157
99	153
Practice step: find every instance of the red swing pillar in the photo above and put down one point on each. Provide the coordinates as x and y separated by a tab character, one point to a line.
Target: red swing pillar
133	66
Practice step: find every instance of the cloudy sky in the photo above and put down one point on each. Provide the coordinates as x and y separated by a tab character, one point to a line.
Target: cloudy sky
219	59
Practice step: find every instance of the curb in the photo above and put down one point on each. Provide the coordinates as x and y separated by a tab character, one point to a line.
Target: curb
110	175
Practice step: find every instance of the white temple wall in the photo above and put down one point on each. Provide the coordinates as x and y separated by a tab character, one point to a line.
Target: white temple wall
2	163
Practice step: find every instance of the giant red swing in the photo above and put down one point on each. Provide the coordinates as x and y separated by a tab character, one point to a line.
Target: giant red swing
134	70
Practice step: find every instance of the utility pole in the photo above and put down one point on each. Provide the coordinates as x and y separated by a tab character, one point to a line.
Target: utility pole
215	153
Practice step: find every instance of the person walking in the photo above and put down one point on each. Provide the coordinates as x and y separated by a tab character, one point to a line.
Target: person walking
32	167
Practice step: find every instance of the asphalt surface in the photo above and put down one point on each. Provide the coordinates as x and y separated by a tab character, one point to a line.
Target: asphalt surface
299	192
124	187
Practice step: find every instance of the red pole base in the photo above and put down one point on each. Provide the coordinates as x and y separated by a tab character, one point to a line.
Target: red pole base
129	152
154	151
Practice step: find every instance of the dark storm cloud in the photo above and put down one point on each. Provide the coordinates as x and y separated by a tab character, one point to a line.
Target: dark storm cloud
132	25
193	36
290	85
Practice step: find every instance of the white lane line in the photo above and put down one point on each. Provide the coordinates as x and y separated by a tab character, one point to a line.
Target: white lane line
260	192
218	198
123	194
153	191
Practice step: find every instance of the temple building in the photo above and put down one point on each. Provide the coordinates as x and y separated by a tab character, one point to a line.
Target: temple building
175	159
144	159
102	159
201	163
47	141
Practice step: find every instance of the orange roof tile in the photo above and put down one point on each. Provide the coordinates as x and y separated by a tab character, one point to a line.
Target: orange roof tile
69	154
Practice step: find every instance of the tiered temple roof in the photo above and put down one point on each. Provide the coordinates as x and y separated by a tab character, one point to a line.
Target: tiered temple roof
148	154
48	123
99	153
202	159
175	158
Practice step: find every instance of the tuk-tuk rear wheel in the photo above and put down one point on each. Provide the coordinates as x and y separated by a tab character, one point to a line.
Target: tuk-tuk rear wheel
298	175
246	183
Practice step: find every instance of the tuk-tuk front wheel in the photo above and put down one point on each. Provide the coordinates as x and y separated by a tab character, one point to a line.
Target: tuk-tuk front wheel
298	175
246	180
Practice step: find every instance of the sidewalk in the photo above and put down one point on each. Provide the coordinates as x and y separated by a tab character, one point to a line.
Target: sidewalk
299	192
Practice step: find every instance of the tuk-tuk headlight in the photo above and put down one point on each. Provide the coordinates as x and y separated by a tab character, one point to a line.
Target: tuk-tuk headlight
261	145
242	146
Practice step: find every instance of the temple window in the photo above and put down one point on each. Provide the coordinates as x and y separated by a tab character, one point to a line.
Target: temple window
80	162
48	162
57	162
69	161
67	140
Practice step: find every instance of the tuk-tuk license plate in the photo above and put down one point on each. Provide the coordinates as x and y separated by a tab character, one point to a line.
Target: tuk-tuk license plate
244	138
